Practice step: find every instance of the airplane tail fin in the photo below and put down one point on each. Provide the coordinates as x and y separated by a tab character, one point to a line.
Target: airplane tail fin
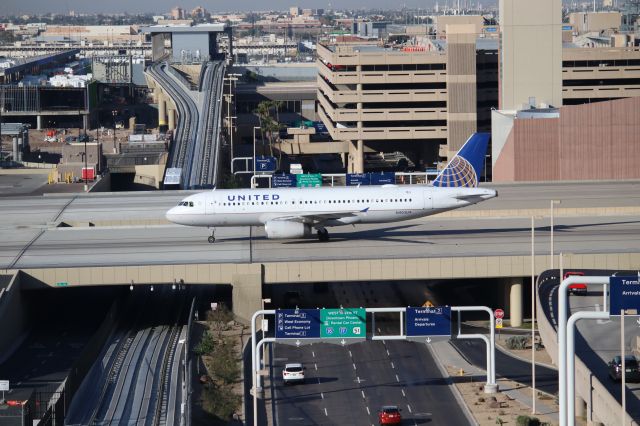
466	167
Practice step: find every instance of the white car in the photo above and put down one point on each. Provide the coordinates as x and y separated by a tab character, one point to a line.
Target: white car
293	373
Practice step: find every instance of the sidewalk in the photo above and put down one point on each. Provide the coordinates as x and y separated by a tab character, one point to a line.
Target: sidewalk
469	378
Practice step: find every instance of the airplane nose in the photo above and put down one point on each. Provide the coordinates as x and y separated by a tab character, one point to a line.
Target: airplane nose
170	215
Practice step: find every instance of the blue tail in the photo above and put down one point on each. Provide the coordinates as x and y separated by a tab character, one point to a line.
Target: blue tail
466	167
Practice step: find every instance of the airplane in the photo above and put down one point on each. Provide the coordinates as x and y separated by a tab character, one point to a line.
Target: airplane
289	213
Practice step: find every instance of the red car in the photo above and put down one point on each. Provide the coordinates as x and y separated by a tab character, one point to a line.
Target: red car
576	288
389	415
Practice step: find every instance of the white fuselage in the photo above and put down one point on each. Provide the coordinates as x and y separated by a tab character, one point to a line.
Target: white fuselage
320	207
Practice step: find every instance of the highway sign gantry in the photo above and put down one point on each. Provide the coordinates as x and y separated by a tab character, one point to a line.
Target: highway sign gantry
427	324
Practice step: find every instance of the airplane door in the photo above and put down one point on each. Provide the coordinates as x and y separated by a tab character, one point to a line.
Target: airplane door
428	199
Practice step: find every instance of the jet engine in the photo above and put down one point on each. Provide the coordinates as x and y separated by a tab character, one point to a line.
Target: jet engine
286	229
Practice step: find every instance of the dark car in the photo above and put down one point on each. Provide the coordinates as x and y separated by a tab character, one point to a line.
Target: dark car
631	367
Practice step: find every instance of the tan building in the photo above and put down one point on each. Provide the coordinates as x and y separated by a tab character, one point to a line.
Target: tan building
413	100
599	74
583	22
579	142
295	11
530	53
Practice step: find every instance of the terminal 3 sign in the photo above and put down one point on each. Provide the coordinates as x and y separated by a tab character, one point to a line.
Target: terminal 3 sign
624	294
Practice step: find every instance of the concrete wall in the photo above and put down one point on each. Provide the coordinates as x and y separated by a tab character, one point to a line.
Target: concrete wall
595	21
531	52
12	316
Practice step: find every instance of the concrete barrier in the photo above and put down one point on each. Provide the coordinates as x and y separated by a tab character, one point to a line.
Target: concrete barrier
601	405
12	317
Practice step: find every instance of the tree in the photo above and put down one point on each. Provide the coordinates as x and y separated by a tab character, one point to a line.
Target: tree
269	126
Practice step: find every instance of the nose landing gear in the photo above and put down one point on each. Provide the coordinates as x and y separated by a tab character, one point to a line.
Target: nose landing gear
212	238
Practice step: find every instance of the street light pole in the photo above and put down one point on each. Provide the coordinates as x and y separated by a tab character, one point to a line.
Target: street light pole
86	171
533	316
254	150
551	255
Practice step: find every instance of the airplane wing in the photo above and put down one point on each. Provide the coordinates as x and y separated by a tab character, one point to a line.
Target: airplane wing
318	218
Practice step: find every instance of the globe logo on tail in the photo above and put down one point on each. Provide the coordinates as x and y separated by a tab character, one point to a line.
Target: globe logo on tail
459	173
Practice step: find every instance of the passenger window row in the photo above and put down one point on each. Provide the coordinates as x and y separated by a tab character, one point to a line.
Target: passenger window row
386	200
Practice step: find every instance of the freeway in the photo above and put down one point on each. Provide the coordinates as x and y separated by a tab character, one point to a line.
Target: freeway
135	232
348	385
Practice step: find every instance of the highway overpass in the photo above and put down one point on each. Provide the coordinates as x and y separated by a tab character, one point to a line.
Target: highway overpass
123	238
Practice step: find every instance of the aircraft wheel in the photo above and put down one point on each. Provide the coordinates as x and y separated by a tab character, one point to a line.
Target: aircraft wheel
211	239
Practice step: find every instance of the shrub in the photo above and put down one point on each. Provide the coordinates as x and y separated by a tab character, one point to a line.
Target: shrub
527	421
206	345
517	342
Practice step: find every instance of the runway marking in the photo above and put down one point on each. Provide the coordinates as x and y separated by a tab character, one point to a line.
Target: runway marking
397	379
409	407
363	397
354	365
325	412
393	366
404	394
368	412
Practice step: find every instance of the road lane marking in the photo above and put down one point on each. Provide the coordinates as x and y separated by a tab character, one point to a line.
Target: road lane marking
388	354
358	379
354	365
368	412
350	355
325	412
316	366
363	397
393	366
322	395
318	380
409	407
397	379
313	354
404	394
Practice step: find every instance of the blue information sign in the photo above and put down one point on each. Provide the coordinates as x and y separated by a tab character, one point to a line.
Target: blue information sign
283	181
355	179
383	178
624	294
429	321
265	164
320	127
297	323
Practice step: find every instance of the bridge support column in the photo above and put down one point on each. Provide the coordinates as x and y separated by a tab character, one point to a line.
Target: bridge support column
171	115
162	110
515	302
246	295
356	157
581	408
39	122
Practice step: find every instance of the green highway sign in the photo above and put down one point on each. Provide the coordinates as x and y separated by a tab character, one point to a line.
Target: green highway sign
309	180
345	323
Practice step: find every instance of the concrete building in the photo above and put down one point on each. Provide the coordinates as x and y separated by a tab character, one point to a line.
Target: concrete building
186	43
422	100
579	142
530	53
595	21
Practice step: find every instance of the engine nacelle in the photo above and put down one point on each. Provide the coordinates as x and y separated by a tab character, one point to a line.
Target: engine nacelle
286	229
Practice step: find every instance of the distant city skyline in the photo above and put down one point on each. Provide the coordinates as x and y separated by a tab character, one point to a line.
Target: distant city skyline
16	7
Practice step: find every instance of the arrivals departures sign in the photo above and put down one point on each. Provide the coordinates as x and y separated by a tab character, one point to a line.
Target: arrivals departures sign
427	324
624	293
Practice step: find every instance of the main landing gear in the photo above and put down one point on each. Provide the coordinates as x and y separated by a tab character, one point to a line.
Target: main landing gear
212	238
323	234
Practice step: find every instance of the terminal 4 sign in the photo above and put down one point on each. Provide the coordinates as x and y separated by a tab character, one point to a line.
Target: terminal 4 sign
624	293
428	323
